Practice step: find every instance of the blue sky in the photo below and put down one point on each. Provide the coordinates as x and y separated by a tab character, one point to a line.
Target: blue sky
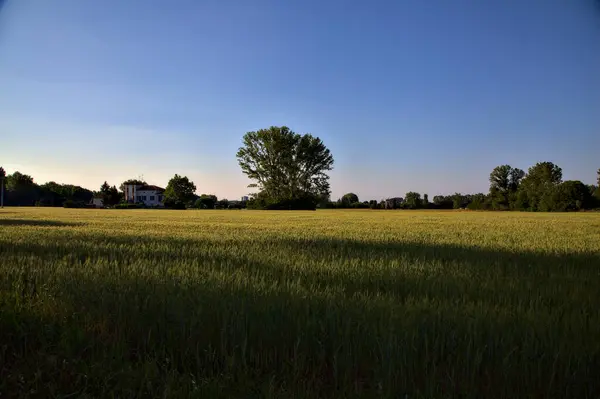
409	95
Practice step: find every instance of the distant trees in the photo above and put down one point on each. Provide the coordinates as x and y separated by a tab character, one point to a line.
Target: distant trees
289	169
412	200
179	192
348	200
540	189
475	202
223	204
541	180
21	190
206	201
458	200
504	183
443	202
55	194
571	195
110	195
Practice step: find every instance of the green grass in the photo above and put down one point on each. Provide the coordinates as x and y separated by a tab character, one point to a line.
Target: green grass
106	303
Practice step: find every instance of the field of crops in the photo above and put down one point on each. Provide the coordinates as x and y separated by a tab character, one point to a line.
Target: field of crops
134	303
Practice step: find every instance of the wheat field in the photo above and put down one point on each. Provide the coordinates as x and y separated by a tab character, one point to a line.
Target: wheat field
207	304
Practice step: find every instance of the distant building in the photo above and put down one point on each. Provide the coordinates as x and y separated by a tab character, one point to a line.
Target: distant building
97	202
244	198
144	194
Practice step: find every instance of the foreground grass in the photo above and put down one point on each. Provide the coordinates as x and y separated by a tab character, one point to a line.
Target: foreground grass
298	304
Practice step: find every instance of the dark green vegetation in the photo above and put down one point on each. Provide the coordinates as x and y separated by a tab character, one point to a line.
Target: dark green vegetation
288	169
541	189
290	173
20	190
324	304
179	192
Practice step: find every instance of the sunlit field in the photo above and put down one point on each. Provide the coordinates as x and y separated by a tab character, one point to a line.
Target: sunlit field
140	303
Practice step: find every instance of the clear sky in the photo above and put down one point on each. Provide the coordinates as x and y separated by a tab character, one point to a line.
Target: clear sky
416	95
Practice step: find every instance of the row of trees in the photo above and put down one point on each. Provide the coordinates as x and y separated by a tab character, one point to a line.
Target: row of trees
540	189
180	193
290	172
21	190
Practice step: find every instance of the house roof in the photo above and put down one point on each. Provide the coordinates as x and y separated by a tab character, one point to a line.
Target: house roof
148	187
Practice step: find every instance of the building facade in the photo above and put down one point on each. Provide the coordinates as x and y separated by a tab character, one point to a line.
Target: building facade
148	195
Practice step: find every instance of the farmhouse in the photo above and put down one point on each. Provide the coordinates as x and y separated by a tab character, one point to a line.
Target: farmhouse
148	195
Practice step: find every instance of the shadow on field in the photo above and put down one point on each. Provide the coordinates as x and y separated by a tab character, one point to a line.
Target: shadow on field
34	222
152	317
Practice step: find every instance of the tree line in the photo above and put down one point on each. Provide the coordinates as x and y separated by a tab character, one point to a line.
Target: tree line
21	190
290	171
540	189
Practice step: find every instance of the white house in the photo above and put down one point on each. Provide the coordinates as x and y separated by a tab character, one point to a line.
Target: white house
145	194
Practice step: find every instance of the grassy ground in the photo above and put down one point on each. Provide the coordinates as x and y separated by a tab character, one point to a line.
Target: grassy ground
104	303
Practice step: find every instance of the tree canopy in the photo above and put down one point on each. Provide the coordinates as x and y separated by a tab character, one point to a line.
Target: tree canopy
349	199
206	201
286	167
179	192
110	195
504	183
412	200
541	179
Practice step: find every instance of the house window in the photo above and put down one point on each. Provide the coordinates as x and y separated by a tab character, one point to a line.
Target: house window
144	198
152	198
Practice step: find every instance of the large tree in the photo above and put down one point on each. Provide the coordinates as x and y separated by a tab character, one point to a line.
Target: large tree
504	182
412	200
348	199
21	189
541	180
179	192
286	166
